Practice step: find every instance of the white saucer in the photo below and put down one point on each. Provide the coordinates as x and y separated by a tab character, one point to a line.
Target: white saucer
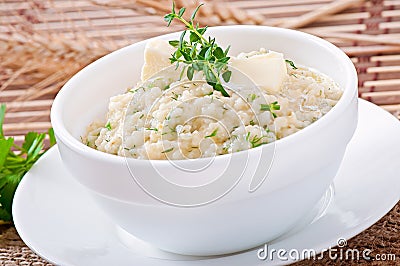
59	222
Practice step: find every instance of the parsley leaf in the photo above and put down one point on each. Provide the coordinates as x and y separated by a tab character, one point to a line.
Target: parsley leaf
15	162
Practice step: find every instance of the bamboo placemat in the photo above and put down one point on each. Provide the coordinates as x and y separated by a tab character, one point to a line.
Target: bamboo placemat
43	43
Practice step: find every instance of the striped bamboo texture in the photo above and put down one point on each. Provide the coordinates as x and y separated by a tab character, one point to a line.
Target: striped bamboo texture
43	43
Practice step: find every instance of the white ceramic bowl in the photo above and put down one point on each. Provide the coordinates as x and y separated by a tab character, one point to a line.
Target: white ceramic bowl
303	166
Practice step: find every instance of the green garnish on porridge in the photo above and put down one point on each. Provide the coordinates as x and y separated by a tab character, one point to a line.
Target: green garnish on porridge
196	100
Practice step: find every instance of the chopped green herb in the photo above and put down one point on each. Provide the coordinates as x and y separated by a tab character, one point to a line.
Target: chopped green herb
108	126
291	63
168	150
199	53
255	141
271	107
175	96
225	149
252	123
136	90
151	84
213	134
141	116
252	97
152	128
247	136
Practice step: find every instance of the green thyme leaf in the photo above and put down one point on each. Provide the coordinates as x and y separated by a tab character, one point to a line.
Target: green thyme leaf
220	88
181	11
174	43
190	72
195	12
227	76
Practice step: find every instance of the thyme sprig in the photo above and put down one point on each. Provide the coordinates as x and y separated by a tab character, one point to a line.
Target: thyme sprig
199	53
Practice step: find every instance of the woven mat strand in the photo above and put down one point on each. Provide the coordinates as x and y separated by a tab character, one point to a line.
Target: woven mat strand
43	43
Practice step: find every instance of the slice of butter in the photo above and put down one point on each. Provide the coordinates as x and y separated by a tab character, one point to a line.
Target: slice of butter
266	69
156	57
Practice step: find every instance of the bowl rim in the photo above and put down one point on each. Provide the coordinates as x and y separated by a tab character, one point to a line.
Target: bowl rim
350	91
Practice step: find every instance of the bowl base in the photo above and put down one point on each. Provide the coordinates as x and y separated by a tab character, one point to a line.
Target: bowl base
143	248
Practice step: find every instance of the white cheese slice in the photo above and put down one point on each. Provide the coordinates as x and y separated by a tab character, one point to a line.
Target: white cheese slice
266	69
156	57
